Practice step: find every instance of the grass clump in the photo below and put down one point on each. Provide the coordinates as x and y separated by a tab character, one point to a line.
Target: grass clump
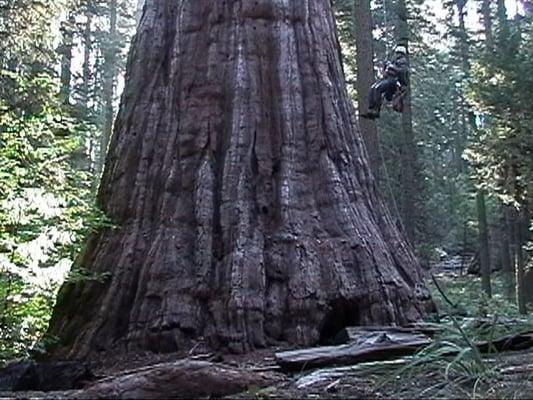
452	366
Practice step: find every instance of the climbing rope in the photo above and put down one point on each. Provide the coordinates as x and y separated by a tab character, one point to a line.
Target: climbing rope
391	192
442	293
385	28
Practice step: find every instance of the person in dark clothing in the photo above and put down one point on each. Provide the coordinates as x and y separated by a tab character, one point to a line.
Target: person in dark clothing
395	80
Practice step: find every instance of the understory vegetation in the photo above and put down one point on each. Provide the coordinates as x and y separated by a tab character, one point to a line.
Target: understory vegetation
452	366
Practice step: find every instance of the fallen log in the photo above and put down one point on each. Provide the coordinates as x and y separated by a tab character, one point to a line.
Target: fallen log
183	379
519	341
393	334
47	376
370	349
345	354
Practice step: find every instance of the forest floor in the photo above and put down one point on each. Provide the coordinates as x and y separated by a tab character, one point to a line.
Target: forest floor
427	374
509	376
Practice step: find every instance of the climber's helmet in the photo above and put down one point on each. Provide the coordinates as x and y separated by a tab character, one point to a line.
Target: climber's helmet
401	49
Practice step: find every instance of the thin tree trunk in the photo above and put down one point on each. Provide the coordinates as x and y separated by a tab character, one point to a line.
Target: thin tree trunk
409	174
486	15
503	22
87	50
85	159
506	258
363	27
82	159
110	70
66	58
243	206
520	261
461	138
484	256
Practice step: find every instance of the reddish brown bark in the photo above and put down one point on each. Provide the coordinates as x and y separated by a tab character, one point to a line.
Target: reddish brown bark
244	207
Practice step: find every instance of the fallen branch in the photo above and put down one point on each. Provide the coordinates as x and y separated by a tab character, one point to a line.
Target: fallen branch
320	376
517	369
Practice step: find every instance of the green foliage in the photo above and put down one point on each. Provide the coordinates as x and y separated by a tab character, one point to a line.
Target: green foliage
465	292
26	38
501	92
47	201
43	204
24	317
345	21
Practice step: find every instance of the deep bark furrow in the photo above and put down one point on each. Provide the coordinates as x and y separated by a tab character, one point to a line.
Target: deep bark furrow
245	210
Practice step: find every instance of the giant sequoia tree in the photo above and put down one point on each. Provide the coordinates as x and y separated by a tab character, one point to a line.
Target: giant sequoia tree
244	209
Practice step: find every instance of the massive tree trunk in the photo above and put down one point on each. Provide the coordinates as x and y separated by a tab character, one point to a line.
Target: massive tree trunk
245	211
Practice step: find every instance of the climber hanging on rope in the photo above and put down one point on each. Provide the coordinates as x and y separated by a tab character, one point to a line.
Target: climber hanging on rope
392	86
